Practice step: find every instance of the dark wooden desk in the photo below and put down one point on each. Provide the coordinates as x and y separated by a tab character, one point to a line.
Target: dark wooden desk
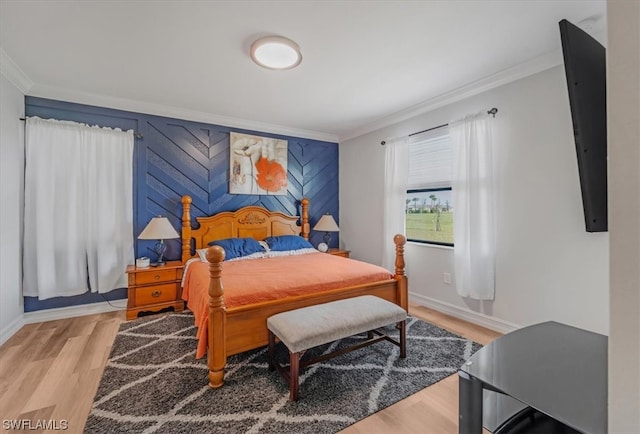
556	369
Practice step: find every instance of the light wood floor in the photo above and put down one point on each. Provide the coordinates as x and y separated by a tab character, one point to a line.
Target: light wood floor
51	371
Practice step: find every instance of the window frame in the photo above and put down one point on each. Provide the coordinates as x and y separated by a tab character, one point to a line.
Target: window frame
426	190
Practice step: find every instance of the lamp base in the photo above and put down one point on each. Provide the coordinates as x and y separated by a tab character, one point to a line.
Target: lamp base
159	248
326	238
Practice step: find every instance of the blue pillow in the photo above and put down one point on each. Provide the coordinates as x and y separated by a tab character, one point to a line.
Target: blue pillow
238	247
287	242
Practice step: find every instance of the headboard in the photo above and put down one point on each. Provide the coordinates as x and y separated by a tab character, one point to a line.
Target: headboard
251	221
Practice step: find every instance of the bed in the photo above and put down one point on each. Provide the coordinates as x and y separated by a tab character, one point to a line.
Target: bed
233	328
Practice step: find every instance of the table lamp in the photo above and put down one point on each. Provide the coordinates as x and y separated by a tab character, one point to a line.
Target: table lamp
159	229
326	224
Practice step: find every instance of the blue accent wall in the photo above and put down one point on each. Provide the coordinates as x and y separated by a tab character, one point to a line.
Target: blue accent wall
176	157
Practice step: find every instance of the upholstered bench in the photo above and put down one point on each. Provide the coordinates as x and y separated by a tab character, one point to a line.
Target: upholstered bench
308	327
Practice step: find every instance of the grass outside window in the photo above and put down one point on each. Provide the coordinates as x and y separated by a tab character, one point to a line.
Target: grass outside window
429	216
422	227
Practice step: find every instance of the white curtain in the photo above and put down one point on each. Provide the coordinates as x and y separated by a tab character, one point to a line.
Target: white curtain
78	222
473	221
396	172
54	261
109	181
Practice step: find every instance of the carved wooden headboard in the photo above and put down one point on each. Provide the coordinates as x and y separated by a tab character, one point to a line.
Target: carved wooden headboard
250	221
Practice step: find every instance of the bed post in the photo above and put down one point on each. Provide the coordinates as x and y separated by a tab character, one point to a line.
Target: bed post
304	227
399	276
186	228
217	351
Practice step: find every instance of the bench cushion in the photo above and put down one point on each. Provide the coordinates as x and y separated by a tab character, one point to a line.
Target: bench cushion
308	327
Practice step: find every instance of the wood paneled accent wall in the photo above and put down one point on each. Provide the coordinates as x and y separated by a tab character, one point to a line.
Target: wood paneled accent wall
176	157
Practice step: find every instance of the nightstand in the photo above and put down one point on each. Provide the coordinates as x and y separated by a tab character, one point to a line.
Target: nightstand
339	252
152	289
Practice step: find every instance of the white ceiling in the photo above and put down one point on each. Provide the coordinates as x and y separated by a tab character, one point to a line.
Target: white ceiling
363	61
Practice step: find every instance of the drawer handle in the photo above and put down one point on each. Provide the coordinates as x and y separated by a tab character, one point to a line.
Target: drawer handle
157	277
156	294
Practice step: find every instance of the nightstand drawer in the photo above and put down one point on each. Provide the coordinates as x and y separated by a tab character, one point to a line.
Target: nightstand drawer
156	276
155	294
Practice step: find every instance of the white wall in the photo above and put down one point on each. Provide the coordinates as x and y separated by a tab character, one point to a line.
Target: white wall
548	267
11	200
623	111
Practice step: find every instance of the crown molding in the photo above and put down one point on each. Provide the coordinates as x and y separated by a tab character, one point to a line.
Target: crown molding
13	73
525	69
79	97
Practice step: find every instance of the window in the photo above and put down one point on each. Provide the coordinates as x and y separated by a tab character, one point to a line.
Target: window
429	203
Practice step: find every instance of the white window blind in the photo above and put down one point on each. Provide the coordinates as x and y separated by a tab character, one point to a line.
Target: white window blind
430	160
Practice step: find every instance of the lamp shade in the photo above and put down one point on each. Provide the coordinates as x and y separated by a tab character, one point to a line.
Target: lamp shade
326	224
158	228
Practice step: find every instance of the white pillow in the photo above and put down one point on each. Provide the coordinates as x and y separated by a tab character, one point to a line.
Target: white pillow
202	253
265	245
292	252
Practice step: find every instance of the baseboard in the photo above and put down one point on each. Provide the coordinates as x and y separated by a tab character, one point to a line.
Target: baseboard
11	329
73	311
480	319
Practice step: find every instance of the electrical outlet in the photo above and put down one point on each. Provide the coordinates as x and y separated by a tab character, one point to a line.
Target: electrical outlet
446	277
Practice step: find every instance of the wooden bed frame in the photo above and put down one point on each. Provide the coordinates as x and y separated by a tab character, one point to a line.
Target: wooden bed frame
237	329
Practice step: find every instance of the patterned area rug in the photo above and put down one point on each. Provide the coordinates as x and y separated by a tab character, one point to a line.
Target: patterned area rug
153	383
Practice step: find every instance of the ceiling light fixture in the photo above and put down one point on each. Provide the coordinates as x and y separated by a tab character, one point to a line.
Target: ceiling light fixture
276	52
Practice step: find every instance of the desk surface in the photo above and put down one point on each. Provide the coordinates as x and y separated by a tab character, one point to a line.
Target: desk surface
555	368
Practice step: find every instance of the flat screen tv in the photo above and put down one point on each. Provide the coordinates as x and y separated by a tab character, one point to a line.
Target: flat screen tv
585	68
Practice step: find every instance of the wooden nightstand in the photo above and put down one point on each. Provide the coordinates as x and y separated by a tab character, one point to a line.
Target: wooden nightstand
154	288
339	252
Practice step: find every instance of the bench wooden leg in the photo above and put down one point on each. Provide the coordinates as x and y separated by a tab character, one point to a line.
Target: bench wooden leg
294	375
272	350
403	339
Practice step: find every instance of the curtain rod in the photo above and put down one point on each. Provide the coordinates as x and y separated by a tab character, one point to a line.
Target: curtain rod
136	135
493	112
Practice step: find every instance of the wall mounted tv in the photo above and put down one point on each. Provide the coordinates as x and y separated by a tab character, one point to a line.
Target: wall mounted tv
585	68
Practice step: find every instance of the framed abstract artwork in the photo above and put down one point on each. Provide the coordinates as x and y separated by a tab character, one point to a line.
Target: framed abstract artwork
258	165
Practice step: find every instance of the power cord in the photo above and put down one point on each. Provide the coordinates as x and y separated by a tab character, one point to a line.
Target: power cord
113	305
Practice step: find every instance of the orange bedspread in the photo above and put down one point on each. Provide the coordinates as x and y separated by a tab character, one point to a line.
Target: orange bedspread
257	280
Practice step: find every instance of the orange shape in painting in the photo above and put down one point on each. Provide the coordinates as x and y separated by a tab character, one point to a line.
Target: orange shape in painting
271	175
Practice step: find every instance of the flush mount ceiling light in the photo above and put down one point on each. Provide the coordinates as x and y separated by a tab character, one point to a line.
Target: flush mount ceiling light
276	52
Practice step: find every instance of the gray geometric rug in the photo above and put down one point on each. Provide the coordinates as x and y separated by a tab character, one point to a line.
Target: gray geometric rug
153	384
